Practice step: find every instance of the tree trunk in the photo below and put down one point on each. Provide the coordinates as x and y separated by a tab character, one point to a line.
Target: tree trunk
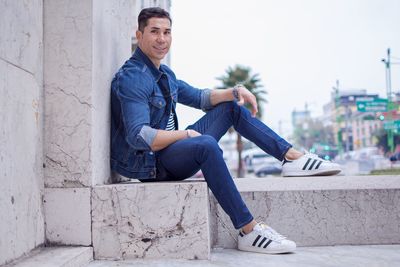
239	147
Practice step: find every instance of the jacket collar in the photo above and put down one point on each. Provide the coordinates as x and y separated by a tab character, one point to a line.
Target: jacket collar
142	57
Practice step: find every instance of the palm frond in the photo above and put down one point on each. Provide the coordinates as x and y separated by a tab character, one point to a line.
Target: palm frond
243	75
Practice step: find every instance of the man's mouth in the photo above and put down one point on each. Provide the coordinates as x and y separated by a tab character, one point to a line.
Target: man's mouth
160	48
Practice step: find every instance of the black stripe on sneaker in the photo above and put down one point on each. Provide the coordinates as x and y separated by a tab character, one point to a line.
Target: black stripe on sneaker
255	241
319	164
266	245
262	242
305	165
241	234
285	161
312	165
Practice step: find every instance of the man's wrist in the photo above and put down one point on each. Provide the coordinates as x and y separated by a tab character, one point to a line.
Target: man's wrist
235	92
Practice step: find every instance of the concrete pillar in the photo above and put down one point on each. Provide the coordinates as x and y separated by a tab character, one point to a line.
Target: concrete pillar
85	43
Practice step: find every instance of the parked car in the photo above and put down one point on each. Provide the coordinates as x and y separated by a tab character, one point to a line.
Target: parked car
275	168
395	157
255	158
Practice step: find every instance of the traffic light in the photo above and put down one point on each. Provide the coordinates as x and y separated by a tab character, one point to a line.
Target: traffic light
381	117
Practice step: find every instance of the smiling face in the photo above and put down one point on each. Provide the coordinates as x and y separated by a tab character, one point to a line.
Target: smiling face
155	40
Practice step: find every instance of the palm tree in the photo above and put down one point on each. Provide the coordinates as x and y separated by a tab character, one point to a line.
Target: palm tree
242	75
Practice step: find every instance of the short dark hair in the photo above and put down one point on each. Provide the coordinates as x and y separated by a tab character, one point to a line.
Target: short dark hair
151	12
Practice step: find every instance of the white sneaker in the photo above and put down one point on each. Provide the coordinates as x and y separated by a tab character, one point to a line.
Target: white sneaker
264	239
309	165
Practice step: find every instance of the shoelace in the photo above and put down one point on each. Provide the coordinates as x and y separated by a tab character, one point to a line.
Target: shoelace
271	233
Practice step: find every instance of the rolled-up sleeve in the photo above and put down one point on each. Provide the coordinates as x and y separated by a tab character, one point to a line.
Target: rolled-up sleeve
206	99
148	134
194	97
133	95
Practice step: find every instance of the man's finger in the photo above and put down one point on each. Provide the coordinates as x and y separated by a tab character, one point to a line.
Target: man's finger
254	107
241	100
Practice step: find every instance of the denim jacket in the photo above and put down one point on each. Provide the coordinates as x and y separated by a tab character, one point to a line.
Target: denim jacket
142	98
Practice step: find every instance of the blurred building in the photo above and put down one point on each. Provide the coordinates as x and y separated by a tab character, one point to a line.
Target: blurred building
353	129
300	117
363	127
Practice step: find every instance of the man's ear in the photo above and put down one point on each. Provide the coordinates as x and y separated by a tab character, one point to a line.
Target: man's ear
139	35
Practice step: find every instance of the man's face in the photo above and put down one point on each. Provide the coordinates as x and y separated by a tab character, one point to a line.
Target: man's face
155	40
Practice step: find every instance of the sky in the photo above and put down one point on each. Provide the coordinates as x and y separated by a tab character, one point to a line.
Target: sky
298	47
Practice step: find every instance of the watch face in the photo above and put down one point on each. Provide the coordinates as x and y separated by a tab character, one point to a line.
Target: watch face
235	93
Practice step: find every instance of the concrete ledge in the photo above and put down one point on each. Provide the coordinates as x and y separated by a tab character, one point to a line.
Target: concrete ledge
151	220
319	211
56	257
67	212
317	183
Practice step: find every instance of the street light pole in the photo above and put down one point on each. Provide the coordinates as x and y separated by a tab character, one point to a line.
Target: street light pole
389	97
338	120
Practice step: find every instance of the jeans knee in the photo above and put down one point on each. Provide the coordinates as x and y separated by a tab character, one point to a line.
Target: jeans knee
228	106
208	144
208	141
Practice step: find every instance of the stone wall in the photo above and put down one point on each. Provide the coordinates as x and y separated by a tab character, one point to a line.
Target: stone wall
85	43
21	127
114	25
319	211
57	59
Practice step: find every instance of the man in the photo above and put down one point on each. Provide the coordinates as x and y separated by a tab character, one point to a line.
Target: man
146	143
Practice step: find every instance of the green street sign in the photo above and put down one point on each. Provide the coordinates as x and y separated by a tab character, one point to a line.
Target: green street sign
391	125
376	105
393	106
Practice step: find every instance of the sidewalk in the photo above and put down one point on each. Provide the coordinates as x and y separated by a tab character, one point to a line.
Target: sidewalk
373	255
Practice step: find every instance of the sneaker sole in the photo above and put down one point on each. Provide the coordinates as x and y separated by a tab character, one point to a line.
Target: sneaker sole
265	251
311	173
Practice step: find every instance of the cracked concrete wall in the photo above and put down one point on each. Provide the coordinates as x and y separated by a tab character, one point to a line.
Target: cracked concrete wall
85	43
21	130
68	83
353	210
114	25
151	220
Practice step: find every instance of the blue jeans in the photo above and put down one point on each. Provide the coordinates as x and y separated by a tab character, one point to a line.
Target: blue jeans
184	158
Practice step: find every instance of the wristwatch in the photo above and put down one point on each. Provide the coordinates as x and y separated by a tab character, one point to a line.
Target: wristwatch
235	92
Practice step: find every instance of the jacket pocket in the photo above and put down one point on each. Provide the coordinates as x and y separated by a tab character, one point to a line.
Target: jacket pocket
157	109
141	160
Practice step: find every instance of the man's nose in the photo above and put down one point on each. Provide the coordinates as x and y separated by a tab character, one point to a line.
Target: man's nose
161	38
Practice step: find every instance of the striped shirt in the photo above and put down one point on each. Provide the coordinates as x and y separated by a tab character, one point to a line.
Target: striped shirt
171	122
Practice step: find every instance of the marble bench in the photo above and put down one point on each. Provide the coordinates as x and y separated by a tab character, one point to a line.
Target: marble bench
151	220
182	220
317	211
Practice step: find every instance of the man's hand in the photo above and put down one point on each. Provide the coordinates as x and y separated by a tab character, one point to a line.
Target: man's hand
245	96
192	133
